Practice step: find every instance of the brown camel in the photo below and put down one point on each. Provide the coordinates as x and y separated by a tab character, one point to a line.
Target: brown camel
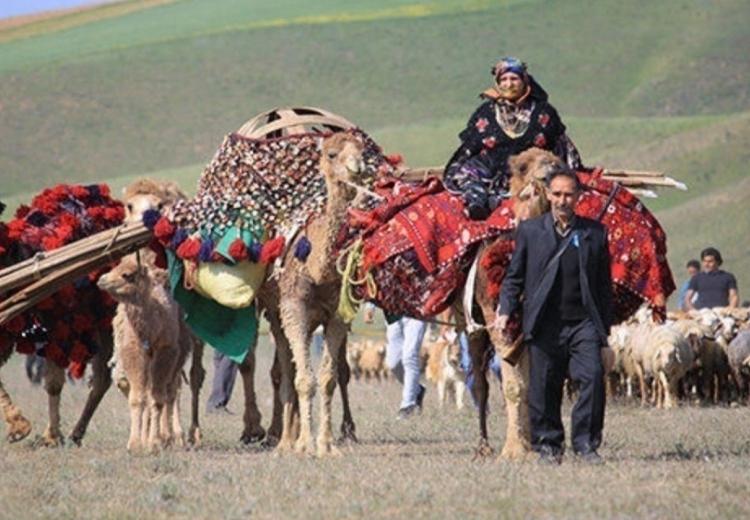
303	295
153	343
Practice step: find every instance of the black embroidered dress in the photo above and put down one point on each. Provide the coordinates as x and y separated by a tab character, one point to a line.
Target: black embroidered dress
478	170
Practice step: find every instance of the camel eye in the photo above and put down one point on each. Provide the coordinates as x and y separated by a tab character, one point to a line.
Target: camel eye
160	206
129	277
332	155
130	207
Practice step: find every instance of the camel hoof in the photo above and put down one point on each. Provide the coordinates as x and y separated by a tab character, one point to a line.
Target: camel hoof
304	447
327	449
483	450
517	451
252	437
269	443
19	429
76	439
194	437
52	441
348	435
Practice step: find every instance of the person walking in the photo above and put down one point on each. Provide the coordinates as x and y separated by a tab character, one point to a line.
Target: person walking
405	337
561	268
715	287
225	374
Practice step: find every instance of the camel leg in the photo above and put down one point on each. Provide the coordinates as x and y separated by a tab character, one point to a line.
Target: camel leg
54	379
274	431
516	389
348	430
137	403
298	331
18	426
480	353
101	381
282	375
197	375
336	334
253	431
178	435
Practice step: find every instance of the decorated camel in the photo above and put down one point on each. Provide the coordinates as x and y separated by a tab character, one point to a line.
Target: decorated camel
421	254
72	327
278	225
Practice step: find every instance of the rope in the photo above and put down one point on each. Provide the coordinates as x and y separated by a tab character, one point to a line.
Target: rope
348	303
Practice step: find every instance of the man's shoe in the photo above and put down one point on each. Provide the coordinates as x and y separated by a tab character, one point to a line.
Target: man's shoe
591	457
408	412
420	396
219	410
549	457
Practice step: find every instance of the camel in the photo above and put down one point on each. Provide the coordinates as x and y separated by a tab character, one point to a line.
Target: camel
303	295
153	343
141	196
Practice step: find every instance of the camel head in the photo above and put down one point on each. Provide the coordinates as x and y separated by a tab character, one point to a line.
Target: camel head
145	194
131	278
528	170
341	160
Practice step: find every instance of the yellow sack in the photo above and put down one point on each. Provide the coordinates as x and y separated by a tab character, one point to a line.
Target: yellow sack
232	286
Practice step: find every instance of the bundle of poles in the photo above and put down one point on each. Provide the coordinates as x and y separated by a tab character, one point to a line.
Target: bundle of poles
26	283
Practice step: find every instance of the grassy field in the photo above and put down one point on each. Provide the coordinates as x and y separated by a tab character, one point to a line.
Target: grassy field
686	463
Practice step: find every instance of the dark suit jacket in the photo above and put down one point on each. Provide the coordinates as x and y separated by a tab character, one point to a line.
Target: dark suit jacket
528	275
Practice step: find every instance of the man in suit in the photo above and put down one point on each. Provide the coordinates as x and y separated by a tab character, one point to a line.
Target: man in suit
560	273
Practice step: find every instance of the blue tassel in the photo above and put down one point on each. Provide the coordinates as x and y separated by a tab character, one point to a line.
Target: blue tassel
178	238
253	252
151	217
207	249
302	249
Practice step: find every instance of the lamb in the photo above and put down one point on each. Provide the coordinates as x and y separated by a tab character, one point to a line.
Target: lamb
372	360
670	356
738	353
444	369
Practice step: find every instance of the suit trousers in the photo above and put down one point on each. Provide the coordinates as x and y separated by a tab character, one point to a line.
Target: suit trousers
564	348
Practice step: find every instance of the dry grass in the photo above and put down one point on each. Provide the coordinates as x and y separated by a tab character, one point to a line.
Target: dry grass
688	463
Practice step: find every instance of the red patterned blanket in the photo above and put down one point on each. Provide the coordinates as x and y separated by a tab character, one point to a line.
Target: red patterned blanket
419	245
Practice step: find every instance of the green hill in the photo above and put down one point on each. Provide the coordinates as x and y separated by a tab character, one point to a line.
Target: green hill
151	86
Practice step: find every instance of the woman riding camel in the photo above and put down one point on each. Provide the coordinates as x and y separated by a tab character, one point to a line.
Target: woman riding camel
514	117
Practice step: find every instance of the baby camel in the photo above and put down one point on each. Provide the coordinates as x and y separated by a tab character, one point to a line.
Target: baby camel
149	339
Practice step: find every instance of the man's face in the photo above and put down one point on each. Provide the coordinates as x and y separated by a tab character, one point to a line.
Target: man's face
692	271
563	196
511	85
709	263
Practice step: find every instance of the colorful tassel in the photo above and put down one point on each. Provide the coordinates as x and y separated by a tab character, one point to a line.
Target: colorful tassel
238	250
302	249
189	249
253	252
272	250
163	230
207	248
180	235
151	217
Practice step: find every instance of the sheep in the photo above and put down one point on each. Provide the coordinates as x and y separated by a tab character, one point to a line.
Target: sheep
738	353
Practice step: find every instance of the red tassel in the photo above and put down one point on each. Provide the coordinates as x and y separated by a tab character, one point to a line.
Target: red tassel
238	250
79	353
76	369
163	230
394	159
189	249
272	250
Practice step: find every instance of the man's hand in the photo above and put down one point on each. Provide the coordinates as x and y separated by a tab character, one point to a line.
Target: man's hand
501	322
